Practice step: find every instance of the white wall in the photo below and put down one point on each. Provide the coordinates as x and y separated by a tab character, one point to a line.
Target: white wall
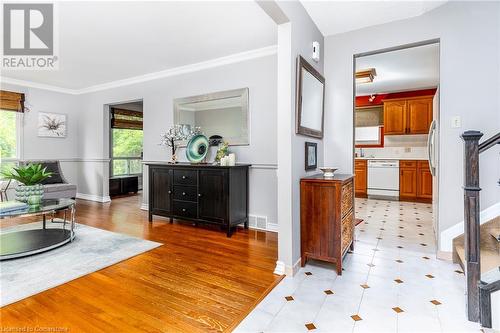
469	85
34	147
296	33
259	75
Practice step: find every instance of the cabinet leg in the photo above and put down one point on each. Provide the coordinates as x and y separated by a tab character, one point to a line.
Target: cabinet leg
150	217
339	267
351	248
302	261
246	224
228	232
171	220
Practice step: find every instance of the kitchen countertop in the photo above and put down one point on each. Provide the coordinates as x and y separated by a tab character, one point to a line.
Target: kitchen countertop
393	158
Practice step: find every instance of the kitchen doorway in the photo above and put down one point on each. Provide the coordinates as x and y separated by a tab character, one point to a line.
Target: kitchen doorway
396	164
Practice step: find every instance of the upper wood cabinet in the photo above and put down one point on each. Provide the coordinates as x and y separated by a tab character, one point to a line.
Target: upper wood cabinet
395	117
419	115
407	115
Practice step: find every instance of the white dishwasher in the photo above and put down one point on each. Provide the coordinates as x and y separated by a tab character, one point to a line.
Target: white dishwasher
383	178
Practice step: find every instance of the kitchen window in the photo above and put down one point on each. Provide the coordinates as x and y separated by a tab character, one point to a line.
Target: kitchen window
369	136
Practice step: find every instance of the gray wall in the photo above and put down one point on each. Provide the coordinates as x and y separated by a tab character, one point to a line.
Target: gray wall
34	147
259	75
296	34
469	87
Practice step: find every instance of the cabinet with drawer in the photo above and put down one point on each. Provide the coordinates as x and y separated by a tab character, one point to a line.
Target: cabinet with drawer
415	181
200	193
326	218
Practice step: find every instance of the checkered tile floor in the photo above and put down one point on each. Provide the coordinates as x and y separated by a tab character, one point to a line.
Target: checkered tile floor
392	282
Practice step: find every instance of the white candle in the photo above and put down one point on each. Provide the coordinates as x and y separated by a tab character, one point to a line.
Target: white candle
232	159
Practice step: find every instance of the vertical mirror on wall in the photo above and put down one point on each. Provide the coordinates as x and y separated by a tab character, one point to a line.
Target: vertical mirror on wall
396	108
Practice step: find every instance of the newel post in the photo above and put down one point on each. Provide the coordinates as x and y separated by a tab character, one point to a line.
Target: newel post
471	221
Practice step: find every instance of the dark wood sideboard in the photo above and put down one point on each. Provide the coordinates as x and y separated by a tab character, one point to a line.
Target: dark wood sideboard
202	193
326	218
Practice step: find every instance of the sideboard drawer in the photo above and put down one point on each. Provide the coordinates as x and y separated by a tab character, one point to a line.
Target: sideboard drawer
185	208
185	193
185	177
347	201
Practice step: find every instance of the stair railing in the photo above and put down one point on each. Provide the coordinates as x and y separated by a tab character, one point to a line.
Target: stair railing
472	222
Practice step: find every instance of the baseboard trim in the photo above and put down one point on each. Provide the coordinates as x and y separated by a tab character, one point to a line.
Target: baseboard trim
444	255
144	206
273	227
92	197
446	237
280	268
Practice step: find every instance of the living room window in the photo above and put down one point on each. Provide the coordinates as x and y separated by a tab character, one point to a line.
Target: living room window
126	142
11	113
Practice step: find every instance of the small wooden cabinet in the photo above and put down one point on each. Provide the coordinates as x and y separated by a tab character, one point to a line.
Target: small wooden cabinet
407	115
326	218
360	178
199	192
415	181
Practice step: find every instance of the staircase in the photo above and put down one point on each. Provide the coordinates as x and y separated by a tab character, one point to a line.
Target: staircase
477	250
489	246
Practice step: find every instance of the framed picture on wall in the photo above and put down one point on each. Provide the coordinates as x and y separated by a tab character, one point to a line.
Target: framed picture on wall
52	125
311	159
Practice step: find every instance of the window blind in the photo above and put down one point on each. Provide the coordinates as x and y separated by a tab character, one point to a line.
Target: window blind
11	101
126	119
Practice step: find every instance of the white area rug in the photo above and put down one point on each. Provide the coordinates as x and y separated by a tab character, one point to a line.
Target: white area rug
91	250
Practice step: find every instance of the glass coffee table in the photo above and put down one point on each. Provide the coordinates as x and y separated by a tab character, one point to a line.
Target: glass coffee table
36	237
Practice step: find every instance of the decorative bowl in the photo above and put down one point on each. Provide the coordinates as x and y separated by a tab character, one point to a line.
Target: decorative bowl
328	171
197	148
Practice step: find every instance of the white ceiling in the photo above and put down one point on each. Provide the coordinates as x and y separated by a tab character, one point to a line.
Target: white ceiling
407	69
333	17
101	42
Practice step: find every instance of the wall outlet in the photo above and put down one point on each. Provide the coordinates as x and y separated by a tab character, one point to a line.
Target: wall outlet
456	122
408	150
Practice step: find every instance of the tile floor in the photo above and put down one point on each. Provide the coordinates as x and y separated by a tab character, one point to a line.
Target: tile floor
392	282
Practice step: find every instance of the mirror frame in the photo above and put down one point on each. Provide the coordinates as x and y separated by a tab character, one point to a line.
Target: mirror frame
244	139
299	129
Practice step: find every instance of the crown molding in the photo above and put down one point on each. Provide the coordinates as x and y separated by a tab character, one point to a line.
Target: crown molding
43	86
226	60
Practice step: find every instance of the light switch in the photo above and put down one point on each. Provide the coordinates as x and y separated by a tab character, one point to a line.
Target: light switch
456	122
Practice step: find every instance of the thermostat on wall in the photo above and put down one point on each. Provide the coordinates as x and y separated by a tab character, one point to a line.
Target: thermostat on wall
315	55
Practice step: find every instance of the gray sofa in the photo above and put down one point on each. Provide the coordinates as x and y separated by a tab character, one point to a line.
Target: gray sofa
57	186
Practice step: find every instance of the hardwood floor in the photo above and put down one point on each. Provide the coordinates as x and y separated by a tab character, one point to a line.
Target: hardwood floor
198	281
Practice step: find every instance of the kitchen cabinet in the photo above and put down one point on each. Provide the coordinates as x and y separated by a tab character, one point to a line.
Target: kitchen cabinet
424	181
360	178
395	117
415	181
407	115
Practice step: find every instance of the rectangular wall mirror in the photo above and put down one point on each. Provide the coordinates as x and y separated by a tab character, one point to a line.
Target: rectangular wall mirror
223	113
310	100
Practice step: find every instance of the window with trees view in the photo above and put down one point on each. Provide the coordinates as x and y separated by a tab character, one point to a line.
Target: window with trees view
8	139
126	142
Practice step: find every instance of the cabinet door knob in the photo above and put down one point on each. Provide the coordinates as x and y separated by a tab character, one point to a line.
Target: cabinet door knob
169	192
183	193
199	194
183	177
183	209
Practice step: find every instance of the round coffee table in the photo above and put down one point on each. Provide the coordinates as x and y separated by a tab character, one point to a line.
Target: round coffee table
36	237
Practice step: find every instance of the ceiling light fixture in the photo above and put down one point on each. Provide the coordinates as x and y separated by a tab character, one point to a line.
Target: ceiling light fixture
366	75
